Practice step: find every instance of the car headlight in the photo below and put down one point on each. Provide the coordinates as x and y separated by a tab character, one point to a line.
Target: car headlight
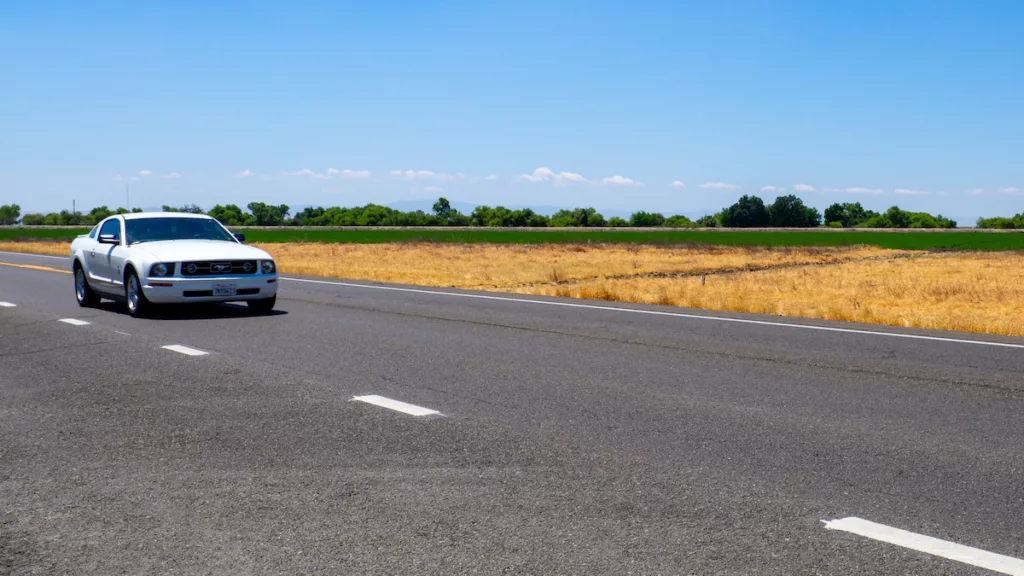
268	267
160	270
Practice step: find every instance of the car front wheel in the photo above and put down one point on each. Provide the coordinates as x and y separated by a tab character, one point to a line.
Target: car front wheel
83	293
262	306
138	305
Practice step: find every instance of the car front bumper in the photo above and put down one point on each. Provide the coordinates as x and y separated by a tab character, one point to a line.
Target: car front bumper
185	290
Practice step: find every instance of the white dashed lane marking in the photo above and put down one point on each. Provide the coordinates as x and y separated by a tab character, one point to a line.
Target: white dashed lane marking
74	321
184	350
6	305
390	404
927	544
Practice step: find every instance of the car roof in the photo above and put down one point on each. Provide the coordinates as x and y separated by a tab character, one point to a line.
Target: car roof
138	215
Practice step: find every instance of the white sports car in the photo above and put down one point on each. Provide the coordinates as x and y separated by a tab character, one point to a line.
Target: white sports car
167	257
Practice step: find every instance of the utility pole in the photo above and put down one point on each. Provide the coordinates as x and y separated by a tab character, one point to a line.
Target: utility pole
73	208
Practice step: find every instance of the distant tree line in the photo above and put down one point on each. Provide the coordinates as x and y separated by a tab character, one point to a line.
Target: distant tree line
748	212
1003	223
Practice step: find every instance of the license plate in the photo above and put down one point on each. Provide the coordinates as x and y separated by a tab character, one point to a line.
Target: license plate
224	289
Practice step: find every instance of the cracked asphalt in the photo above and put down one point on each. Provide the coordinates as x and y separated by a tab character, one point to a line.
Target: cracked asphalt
572	440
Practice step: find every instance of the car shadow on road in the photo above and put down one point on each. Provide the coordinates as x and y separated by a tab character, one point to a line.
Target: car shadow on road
199	311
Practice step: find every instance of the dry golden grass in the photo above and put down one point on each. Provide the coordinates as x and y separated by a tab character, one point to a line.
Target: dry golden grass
41	247
975	292
489	266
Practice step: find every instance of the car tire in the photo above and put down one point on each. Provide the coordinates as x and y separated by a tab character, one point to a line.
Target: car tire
83	292
262	306
135	300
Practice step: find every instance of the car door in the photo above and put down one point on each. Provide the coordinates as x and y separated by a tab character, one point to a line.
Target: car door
100	257
116	257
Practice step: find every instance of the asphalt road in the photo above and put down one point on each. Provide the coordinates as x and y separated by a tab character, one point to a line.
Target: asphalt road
595	439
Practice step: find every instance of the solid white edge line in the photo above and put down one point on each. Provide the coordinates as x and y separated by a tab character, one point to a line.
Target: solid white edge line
661	313
184	350
68	257
7	305
383	402
74	321
929	545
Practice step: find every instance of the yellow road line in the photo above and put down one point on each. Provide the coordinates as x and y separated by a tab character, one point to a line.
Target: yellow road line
34	267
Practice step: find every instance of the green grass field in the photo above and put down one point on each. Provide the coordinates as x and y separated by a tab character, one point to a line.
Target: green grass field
906	240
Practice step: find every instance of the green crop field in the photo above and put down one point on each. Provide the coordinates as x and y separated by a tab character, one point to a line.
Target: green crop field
907	240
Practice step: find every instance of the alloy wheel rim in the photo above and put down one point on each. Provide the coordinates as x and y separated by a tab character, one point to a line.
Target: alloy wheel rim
133	293
80	285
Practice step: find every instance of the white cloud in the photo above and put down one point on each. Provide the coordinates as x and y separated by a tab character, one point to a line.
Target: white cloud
144	172
171	176
548	175
434	189
678	184
303	172
355	173
244	174
491	177
1011	191
329	174
772	189
856	190
426	175
803	187
719	186
620	181
905	192
975	192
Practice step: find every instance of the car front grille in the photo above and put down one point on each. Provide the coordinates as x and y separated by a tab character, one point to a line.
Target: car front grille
220	268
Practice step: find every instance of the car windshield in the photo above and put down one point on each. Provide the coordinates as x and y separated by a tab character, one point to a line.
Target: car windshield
157	229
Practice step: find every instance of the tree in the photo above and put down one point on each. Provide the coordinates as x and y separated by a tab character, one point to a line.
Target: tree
9	214
443	208
267	215
748	212
646	219
577	217
790	212
33	220
310	216
1000	223
836	214
616	222
898	218
708	221
230	215
678	221
848	214
812	218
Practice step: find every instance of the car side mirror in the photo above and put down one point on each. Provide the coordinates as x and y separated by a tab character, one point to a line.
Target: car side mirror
239	236
109	239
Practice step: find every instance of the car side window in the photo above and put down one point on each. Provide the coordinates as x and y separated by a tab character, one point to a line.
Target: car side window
112	227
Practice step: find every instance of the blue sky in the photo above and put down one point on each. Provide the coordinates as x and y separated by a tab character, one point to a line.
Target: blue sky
915	103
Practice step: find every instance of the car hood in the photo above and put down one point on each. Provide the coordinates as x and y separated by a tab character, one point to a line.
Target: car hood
187	250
